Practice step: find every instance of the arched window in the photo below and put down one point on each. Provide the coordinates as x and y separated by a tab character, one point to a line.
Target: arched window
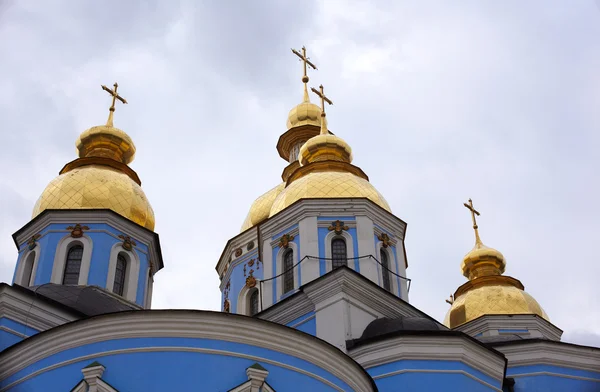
288	271
385	271
120	273
338	253
28	270
253	302
73	265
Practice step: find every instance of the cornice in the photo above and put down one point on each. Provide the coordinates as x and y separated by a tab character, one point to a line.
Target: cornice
516	321
297	306
239	241
106	216
191	324
431	348
552	353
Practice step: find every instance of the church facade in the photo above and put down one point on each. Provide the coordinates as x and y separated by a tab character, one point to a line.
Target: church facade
314	290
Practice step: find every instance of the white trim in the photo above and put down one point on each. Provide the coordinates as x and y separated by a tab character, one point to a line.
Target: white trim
552	354
64	245
295	326
36	251
431	348
12	331
327	242
132	272
190	324
429	371
104	387
490	324
82	386
279	259
555	375
391	265
148	290
243	301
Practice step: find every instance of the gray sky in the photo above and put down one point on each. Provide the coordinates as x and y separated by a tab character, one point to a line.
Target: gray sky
440	101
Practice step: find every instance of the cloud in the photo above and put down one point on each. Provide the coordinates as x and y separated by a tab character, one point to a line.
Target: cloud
440	103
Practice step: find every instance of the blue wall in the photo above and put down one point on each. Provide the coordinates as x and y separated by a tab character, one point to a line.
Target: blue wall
236	278
221	369
553	379
306	323
103	238
8	338
410	377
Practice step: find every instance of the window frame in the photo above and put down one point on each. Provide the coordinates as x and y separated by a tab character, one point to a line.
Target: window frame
75	259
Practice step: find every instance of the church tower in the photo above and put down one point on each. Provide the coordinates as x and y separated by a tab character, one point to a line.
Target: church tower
91	238
323	234
492	305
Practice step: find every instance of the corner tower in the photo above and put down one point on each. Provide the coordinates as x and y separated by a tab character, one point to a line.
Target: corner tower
493	304
92	227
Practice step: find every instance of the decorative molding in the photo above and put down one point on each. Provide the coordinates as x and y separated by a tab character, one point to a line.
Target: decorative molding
349	249
32	242
238	252
226	305
431	348
434	371
91	216
191	324
250	246
128	242
541	352
77	230
295	307
337	226
492	322
132	271
22	263
285	240
551	374
385	239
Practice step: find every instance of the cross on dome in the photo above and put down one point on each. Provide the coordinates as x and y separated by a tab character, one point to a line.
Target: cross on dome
305	62
324	99
115	96
473	213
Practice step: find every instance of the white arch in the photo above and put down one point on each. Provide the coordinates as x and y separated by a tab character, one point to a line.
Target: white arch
349	248
60	258
132	271
391	267
279	261
243	301
29	258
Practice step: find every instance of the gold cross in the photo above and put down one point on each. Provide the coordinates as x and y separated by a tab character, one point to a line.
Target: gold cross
115	96
305	62
324	99
473	213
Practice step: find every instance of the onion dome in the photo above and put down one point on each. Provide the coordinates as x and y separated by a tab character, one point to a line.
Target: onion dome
488	291
326	171
100	177
259	211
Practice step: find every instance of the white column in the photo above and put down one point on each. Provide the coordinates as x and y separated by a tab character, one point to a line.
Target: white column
309	246
402	270
332	319
366	246
267	287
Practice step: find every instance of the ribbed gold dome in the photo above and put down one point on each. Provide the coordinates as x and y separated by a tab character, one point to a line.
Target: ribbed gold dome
497	298
482	261
305	113
97	186
325	148
106	141
327	184
259	211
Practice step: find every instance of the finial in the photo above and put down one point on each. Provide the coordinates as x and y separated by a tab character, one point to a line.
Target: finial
450	300
324	99
473	213
305	62
115	96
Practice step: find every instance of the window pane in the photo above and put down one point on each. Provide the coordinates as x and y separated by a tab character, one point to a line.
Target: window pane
338	253
254	302
73	265
288	274
119	284
385	263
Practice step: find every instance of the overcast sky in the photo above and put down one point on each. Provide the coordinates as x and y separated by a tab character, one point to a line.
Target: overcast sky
440	101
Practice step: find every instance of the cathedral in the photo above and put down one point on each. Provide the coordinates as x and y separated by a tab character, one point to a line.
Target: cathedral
314	290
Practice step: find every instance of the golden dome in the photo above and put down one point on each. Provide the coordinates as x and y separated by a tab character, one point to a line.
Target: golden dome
306	113
106	141
325	148
259	211
327	184
482	261
498	298
97	186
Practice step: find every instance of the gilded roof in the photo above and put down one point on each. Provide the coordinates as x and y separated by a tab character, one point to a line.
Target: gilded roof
259	211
